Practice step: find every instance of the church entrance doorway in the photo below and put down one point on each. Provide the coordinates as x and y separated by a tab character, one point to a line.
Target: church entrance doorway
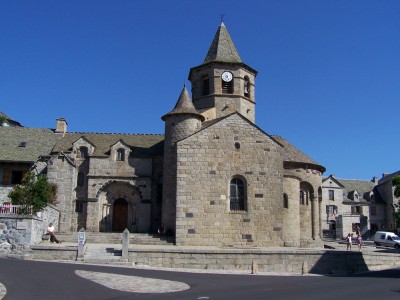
120	215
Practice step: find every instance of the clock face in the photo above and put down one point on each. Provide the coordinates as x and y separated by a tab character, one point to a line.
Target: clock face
227	76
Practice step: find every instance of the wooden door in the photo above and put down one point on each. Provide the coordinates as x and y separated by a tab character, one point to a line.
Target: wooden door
120	215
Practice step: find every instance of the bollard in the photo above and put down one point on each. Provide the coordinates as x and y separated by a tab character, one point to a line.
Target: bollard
304	268
125	244
81	243
254	268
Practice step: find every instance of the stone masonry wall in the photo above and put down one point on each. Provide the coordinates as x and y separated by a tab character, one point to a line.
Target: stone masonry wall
177	127
291	261
206	163
309	214
291	233
61	172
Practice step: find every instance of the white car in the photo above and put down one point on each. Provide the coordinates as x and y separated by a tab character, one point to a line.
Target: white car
387	239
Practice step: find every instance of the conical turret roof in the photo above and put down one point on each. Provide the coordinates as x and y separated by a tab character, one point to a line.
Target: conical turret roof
183	106
222	48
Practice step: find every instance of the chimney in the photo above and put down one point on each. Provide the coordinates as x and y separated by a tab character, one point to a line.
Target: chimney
375	180
61	126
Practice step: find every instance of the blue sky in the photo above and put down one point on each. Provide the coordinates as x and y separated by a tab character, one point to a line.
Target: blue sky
329	71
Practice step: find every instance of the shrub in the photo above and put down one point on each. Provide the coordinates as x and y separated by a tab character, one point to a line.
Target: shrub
33	194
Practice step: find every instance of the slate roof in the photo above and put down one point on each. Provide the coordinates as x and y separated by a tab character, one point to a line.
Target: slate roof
388	177
363	187
39	142
222	51
292	154
222	48
184	105
331	177
141	144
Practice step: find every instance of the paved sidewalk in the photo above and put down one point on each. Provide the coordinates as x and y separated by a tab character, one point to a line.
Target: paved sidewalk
133	284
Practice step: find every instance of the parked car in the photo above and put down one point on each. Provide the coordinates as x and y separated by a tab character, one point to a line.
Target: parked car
387	239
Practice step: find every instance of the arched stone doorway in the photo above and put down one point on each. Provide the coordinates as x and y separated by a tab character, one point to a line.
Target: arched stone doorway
120	206
120	215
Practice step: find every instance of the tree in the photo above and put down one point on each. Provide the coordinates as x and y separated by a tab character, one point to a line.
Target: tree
33	194
2	120
396	185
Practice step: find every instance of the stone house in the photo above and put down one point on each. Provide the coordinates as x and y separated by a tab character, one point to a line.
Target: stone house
21	149
384	196
348	203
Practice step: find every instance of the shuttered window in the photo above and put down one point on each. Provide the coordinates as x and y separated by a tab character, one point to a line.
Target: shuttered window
227	87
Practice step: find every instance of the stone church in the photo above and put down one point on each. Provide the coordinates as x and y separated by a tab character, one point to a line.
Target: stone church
214	177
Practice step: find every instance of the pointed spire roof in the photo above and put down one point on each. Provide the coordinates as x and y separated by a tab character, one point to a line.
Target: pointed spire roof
184	106
222	48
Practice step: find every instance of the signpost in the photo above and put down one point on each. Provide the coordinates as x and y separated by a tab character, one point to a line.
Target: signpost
81	243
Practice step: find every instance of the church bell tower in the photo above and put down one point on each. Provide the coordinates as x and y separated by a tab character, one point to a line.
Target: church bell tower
223	84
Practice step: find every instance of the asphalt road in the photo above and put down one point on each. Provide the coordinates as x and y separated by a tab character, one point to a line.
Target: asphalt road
51	280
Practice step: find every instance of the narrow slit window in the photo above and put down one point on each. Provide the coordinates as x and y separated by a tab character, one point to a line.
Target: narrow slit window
206	85
246	87
285	201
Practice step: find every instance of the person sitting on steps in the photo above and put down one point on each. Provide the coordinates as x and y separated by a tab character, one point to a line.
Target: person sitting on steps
50	231
161	230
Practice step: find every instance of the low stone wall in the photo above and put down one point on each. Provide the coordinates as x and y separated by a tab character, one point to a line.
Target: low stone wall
18	232
54	253
290	261
12	239
262	260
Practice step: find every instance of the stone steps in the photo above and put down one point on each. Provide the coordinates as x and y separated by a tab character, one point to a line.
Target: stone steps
116	238
104	255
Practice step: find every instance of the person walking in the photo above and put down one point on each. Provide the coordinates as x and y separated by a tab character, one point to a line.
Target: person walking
348	241
359	242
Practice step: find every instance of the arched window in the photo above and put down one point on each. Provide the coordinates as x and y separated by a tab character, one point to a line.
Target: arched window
206	85
246	87
285	201
83	152
121	154
302	197
237	195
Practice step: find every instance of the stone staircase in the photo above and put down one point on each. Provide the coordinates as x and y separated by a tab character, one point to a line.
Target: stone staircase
105	255
106	247
116	238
